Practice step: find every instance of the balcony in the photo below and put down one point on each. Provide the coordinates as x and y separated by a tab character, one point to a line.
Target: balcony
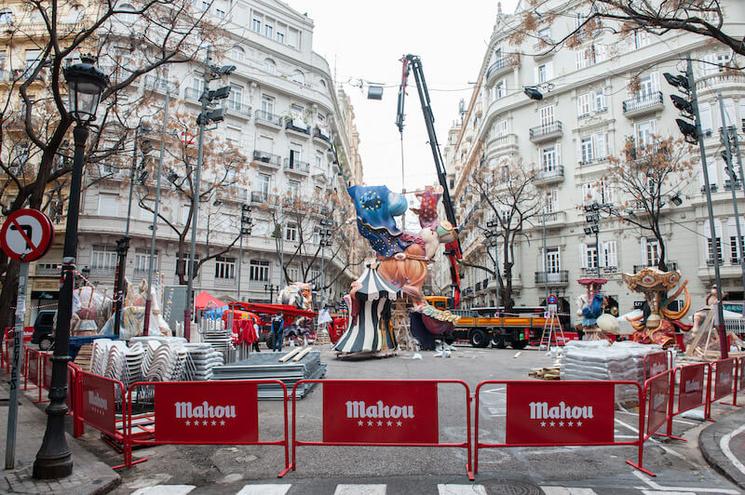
297	167
643	104
468	292
552	279
499	145
238	109
671	266
729	185
546	132
720	81
267	160
297	126
261	198
712	187
322	134
554	218
161	86
48	269
237	193
544	177
589	162
501	66
268	119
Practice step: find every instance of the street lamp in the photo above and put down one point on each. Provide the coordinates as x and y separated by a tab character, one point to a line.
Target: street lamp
246	226
85	85
325	234
271	289
592	219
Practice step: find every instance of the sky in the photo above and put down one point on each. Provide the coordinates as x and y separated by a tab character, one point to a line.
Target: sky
365	40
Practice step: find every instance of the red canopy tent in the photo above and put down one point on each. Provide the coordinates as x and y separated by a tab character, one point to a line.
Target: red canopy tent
205	300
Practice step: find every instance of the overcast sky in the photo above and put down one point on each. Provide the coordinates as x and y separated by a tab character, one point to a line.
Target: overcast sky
366	39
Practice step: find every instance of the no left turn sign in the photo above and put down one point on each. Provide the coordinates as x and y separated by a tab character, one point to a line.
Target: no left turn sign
26	235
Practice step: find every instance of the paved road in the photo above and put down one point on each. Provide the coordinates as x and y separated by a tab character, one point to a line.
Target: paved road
328	470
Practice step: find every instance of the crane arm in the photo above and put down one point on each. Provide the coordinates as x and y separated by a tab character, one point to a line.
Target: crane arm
412	63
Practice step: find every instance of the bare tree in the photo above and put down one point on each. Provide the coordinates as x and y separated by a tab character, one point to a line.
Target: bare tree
509	194
224	172
129	43
649	177
628	17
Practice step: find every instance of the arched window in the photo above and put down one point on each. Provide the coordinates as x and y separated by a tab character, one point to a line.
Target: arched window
238	53
298	77
128	19
270	66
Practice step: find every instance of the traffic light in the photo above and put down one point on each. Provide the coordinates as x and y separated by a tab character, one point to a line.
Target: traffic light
687	124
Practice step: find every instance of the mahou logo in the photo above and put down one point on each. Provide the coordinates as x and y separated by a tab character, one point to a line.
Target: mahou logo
542	410
358	409
96	401
205	410
692	386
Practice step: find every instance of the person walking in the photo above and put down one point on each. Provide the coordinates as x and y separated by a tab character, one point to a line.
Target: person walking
278	332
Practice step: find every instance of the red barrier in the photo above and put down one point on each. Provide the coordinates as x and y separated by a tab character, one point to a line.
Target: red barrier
656	363
724	378
740	379
381	413
32	371
563	413
201	413
694	382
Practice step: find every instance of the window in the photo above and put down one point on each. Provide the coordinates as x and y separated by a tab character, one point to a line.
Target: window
238	53
592	101
599	97
319	160
585	57
293	187
648	86
280	33
652	252
297	111
502	127
707	123
586	149
735	249
542	74
32	58
715	62
262	183
142	261
291	231
235	99
293	273
3	61
270	66
552	263
551	200
547	115
641	39
224	268
130	19
589	193
103	258
297	77
296	152
267	104
293	38
233	135
269	28
707	242
108	205
6	17
258	270
584	104
544	35
184	213
588	255
550	157
607	192
608	254
256	24
500	90
644	132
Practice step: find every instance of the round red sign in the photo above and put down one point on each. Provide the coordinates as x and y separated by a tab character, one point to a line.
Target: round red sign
26	235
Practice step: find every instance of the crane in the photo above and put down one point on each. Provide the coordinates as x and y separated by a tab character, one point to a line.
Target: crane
412	63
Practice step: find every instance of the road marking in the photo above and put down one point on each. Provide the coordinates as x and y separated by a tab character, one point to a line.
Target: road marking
461	489
359	490
724	445
666	449
683	489
165	490
655	492
562	490
269	489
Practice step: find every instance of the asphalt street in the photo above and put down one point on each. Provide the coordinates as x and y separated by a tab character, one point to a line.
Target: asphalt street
251	470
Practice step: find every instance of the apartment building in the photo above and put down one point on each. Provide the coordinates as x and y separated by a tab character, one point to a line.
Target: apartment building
299	142
588	111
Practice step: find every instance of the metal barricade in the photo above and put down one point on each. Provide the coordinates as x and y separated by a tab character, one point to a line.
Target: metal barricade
382	413
560	413
199	413
32	367
692	387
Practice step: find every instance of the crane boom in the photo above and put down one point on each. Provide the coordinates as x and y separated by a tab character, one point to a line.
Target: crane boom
412	63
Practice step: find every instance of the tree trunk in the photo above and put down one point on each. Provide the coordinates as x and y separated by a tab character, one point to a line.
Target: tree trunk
8	296
662	263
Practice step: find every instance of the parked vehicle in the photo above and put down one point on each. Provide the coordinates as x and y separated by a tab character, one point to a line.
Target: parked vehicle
44	329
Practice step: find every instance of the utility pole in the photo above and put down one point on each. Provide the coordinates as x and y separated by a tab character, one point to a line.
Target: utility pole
736	143
733	180
156	211
714	252
325	240
206	115
545	250
491	237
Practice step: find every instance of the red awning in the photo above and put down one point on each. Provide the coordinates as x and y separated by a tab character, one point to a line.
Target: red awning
273	309
205	300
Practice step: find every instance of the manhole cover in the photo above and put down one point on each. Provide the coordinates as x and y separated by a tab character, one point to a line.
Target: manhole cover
511	487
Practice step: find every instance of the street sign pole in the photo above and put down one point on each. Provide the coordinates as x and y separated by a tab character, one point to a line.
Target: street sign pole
10	443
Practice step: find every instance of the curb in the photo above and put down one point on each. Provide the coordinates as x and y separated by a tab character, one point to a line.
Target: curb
709	441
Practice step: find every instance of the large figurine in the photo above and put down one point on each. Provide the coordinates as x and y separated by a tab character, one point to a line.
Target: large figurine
658	323
590	306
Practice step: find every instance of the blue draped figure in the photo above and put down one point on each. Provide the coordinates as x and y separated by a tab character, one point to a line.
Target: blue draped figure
376	208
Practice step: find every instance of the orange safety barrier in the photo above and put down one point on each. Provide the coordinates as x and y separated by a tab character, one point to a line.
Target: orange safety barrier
381	413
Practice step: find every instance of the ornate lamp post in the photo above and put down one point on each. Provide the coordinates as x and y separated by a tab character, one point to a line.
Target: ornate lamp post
85	85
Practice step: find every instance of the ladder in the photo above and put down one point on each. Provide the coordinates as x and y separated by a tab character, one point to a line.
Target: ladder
552	330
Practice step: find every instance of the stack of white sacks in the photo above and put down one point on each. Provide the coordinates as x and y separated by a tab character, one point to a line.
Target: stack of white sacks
599	360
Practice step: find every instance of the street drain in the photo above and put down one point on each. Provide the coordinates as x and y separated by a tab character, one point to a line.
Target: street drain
511	487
